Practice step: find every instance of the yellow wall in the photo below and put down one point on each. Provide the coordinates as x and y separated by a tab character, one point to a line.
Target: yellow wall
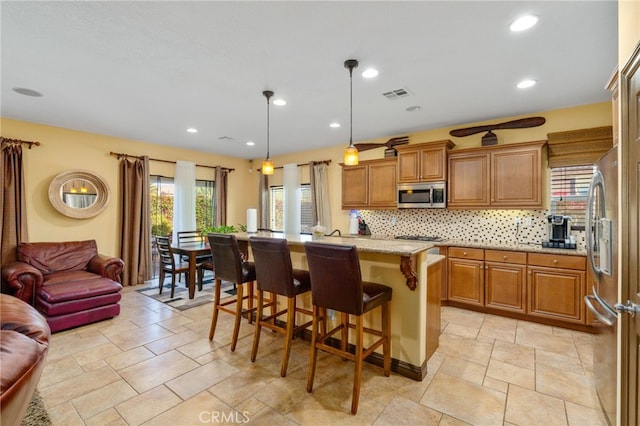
64	149
628	29
581	117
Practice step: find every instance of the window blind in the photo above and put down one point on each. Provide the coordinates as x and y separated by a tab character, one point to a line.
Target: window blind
569	192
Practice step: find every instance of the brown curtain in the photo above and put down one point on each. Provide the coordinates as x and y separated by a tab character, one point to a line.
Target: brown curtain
135	245
222	176
263	202
320	209
13	221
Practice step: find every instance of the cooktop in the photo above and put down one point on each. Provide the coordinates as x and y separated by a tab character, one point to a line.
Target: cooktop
419	238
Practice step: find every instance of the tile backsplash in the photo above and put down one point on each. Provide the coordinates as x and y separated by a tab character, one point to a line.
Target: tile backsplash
496	226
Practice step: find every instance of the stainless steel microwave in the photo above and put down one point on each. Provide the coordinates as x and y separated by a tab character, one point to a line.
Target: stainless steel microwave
422	195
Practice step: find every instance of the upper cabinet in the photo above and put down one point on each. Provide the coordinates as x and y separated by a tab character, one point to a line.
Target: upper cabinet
425	162
371	184
502	176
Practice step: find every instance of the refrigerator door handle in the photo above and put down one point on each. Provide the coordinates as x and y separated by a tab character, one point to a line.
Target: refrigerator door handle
608	320
596	181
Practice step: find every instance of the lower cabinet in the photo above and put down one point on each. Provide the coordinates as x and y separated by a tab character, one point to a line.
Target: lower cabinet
556	292
505	280
530	285
465	269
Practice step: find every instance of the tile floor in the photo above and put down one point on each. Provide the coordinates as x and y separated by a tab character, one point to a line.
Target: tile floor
155	365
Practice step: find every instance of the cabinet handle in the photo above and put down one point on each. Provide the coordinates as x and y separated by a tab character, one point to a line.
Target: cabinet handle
529	272
555	261
492	200
464	254
486	267
504	257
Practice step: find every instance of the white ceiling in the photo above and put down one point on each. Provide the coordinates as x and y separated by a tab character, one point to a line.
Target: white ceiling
148	70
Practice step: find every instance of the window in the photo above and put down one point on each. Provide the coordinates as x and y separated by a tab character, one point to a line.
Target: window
162	191
569	192
276	207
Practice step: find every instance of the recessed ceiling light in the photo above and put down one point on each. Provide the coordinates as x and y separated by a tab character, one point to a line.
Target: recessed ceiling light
414	108
525	84
27	92
370	73
334	125
250	143
523	23
192	130
279	102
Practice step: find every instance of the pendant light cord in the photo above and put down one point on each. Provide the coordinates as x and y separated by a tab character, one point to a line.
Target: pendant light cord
267	94
351	64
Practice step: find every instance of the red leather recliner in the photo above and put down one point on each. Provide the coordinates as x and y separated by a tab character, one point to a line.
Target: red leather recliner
68	282
24	343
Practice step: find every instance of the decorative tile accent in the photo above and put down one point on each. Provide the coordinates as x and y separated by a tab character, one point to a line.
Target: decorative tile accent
496	226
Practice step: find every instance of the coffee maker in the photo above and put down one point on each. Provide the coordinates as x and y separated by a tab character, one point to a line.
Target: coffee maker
558	231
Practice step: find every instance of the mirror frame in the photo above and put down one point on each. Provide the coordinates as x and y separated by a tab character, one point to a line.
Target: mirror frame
103	192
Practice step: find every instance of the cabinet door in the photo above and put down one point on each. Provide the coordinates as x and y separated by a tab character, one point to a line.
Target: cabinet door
505	286
382	184
468	184
354	186
466	281
556	293
433	165
408	166
516	177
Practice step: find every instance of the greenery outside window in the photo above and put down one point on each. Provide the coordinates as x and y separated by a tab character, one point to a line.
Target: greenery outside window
569	192
276	208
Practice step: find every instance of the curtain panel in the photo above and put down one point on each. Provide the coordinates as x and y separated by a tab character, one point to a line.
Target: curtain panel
13	221
135	244
184	198
263	202
222	178
319	179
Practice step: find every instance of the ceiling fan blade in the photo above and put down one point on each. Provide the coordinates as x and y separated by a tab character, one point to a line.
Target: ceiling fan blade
514	124
368	146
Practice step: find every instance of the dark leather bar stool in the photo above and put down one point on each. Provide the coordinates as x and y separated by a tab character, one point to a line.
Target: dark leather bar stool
230	266
336	283
276	276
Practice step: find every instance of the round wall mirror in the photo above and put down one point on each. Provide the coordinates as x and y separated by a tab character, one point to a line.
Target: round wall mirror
79	194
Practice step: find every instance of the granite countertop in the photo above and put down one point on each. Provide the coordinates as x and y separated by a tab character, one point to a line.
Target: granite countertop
531	248
372	244
389	245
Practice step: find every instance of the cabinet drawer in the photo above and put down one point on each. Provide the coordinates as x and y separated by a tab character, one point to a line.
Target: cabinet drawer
466	253
558	261
518	257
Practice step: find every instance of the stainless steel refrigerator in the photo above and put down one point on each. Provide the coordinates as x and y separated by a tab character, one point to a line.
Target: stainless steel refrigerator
601	238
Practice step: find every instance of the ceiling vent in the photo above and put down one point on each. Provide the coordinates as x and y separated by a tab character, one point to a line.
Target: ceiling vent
396	94
226	138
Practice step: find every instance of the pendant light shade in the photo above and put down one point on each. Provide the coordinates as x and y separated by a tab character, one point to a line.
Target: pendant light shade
351	153
267	164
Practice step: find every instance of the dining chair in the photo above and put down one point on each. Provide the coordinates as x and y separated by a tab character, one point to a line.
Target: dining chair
276	275
169	265
229	265
336	283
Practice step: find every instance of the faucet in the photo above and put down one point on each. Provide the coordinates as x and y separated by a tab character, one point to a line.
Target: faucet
334	231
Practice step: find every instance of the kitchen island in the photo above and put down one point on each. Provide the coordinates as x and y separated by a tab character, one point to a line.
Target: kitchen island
412	273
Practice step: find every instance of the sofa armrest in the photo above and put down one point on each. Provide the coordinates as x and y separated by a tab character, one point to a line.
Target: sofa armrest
21	280
106	266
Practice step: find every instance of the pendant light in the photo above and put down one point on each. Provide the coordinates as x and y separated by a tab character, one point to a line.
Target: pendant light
267	164
351	153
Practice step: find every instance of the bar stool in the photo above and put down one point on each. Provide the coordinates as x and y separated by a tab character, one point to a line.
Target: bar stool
276	276
230	266
336	283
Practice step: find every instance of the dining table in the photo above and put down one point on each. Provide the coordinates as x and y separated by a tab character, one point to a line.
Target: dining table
192	251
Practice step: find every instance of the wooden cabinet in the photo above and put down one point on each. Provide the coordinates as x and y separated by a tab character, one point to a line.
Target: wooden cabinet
370	184
505	280
434	277
465	272
468	184
541	287
508	176
556	287
426	162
